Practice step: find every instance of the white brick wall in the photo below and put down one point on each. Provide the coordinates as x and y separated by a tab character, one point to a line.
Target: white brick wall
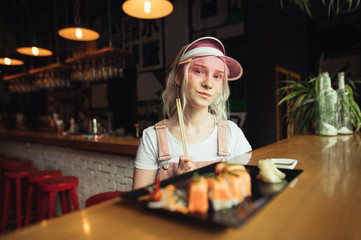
97	172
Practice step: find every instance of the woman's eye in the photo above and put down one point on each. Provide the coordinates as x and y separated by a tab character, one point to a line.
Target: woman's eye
198	71
218	76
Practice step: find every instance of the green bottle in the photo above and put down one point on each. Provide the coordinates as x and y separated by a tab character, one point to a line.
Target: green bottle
327	107
343	107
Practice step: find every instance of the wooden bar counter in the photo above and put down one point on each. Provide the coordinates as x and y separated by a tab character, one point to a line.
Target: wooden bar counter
324	202
107	144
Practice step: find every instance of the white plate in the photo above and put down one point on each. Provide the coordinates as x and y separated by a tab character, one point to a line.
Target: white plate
285	163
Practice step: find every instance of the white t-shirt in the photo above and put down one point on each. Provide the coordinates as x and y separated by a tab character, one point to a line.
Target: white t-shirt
147	154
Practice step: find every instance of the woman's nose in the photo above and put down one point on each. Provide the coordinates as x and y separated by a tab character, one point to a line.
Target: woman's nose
207	82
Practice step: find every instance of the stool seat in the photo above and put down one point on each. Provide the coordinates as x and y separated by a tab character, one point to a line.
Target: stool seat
58	183
20	172
102	197
12	163
42	175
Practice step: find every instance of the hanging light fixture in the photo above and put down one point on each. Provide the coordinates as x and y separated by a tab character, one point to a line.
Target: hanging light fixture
11	61
78	32
32	48
34	51
147	9
8	56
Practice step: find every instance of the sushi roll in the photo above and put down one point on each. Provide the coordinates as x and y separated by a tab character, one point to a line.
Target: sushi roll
237	185
247	182
238	179
219	193
198	195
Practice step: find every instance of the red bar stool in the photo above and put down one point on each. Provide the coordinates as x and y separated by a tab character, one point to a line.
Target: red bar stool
9	163
16	176
33	181
102	197
65	186
12	163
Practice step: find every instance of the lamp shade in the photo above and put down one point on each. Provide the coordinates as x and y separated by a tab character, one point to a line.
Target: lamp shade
34	51
147	9
78	33
11	61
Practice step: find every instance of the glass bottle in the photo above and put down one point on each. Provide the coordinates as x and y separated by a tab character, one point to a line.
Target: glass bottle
136	125
343	107
327	107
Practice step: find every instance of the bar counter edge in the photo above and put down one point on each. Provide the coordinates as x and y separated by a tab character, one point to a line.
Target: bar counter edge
108	144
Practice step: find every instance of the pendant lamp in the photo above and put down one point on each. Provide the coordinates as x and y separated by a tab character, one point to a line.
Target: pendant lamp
8	56
31	47
34	51
78	32
147	9
10	61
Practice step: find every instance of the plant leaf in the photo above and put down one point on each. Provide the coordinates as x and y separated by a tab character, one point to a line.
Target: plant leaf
291	95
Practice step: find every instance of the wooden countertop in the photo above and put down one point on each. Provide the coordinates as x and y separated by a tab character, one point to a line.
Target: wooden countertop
106	144
324	203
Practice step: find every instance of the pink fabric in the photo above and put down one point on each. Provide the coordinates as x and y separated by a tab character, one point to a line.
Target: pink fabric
164	153
206	43
222	138
172	168
163	147
234	67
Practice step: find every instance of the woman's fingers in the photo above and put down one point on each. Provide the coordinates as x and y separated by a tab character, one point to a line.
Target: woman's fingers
185	164
185	158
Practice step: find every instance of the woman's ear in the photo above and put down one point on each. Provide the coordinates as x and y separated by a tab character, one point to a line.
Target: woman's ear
177	82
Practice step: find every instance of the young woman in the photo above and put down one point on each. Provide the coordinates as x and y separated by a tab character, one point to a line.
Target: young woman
199	76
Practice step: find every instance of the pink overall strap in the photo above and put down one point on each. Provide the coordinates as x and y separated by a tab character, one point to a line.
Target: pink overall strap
222	138
163	146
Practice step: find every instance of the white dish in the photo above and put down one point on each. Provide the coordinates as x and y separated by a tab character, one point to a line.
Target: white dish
286	163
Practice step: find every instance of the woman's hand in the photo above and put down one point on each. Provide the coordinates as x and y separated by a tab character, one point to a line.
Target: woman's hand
185	164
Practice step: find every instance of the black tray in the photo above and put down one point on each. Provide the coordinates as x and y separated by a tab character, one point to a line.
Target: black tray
262	193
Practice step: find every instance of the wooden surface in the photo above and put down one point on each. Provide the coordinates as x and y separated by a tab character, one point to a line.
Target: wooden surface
106	144
323	203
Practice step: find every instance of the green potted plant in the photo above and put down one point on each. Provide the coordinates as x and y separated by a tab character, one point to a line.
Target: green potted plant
332	6
302	99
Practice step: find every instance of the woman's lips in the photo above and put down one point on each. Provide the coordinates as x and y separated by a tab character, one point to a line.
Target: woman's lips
204	94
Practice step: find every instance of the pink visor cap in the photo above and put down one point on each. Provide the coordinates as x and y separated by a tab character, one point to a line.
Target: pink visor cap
211	47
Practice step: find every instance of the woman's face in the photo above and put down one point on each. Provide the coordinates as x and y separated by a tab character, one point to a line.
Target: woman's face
205	81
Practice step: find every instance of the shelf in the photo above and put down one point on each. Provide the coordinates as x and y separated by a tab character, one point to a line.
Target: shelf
51	67
103	51
15	76
64	67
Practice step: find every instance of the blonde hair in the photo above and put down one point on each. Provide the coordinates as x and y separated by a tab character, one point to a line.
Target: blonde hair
219	108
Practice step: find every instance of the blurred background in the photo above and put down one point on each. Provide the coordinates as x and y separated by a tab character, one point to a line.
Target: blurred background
118	78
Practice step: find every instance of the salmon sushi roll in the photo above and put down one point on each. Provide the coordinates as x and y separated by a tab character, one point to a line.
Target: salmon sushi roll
237	186
198	195
219	193
247	181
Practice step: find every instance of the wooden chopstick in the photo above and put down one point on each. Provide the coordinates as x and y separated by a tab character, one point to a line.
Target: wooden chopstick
181	124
